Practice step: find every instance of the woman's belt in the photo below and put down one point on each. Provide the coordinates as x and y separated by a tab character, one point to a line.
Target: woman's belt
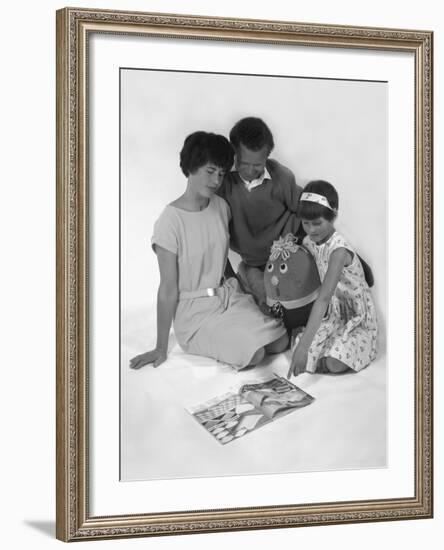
200	293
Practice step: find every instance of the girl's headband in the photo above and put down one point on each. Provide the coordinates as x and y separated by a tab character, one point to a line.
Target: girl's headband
314	197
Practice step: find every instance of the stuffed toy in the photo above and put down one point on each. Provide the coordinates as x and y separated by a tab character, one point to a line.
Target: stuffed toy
291	281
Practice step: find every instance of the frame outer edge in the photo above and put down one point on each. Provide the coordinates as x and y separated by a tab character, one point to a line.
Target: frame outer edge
430	282
72	521
424	270
82	272
427	247
62	374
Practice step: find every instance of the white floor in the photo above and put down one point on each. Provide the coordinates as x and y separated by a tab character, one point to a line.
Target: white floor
344	428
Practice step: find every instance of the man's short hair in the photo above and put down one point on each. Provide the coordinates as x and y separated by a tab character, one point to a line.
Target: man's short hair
253	133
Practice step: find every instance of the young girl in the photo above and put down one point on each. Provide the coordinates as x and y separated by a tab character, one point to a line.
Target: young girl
341	331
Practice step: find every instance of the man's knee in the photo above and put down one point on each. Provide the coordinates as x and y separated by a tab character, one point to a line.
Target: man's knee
252	281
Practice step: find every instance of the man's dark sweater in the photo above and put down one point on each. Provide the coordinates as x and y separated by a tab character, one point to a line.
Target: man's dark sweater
263	214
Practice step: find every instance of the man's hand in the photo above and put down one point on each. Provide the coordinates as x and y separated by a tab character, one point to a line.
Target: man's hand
266	310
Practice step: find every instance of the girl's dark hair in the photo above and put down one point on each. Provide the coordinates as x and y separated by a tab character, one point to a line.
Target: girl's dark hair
311	210
199	148
253	133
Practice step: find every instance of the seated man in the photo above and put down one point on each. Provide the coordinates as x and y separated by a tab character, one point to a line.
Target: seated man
263	197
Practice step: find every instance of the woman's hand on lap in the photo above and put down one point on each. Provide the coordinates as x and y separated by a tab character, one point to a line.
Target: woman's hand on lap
155	356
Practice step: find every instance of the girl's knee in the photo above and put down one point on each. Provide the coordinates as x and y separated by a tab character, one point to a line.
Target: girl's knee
278	346
335	366
257	357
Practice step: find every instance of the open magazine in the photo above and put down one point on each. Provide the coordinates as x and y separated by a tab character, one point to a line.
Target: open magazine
232	415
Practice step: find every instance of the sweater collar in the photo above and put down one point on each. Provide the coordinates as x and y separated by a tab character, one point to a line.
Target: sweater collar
249	185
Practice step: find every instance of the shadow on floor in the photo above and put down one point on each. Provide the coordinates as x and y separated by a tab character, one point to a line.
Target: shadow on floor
45	527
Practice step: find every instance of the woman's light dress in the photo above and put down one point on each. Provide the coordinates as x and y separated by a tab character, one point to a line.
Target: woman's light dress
228	327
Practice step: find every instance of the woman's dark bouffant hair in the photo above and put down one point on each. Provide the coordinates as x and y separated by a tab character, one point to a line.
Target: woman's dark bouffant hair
200	148
311	210
253	133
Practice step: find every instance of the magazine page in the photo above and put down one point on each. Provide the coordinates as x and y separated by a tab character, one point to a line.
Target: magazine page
275	395
234	414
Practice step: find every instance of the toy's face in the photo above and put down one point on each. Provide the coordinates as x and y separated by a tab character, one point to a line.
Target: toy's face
290	273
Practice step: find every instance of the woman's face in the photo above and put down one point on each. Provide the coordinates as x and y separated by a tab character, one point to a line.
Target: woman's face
206	179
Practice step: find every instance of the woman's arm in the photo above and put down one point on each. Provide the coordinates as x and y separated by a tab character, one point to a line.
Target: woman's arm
338	260
167	298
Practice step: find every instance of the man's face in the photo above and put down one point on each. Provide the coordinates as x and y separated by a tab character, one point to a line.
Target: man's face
250	164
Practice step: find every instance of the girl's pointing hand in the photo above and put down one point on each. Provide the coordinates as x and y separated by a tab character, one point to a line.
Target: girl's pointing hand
298	361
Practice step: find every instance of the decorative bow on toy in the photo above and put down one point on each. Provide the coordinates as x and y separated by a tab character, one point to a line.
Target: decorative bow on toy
283	247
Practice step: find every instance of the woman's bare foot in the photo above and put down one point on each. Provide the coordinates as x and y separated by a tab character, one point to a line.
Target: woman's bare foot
278	346
257	357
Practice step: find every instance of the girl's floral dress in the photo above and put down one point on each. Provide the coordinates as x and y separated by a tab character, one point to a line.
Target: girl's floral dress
348	331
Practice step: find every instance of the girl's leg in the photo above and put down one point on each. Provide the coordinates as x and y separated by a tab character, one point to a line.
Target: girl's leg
257	357
278	346
334	365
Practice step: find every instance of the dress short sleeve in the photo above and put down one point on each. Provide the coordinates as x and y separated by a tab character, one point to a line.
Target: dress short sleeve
224	207
165	232
338	241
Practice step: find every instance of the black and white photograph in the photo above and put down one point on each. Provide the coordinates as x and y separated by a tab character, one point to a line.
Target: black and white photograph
243	267
205	206
253	246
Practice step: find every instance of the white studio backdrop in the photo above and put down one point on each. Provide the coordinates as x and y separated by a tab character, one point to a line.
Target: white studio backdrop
28	277
323	129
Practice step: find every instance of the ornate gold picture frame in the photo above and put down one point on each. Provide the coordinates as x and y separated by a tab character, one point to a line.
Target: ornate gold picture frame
76	517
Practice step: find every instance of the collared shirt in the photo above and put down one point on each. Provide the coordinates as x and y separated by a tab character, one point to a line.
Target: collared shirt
249	185
260	217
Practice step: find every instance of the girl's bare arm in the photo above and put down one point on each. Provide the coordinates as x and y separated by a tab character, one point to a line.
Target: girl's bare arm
338	260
